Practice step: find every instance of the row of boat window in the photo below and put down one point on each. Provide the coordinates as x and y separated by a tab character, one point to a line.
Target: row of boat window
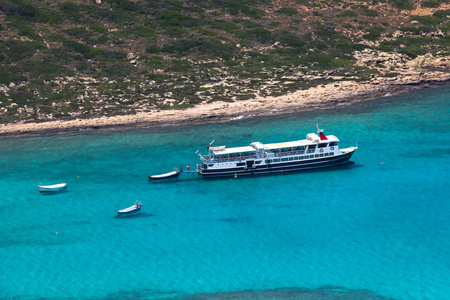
283	151
268	161
311	148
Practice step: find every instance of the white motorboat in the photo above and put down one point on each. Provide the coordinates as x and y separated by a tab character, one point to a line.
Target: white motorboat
52	188
130	210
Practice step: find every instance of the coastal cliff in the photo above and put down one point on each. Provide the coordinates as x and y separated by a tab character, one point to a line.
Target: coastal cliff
84	61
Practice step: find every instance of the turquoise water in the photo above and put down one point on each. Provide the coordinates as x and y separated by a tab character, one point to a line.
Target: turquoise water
367	231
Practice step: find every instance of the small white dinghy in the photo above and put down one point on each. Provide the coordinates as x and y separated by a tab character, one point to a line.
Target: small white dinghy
52	188
130	210
171	175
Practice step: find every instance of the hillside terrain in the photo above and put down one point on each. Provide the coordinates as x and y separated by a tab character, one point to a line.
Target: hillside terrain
66	60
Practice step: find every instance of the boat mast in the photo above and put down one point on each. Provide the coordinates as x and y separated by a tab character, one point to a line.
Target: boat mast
209	151
322	136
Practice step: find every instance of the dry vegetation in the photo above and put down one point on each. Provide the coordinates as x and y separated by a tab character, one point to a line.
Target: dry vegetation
80	59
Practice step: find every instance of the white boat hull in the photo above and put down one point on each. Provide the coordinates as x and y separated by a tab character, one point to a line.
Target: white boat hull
52	188
170	175
130	210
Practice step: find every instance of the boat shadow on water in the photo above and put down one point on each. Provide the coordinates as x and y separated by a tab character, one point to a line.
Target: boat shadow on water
54	193
135	216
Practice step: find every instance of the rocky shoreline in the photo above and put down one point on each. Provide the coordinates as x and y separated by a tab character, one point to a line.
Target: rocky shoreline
319	97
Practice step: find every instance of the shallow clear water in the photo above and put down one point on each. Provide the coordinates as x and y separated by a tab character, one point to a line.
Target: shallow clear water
368	229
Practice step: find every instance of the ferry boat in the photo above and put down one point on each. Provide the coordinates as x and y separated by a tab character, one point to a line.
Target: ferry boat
316	151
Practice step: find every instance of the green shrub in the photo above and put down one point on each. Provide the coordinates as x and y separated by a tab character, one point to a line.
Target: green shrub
288	11
374	33
18	50
291	40
441	14
181	66
364	73
317	45
176	32
247	23
20	8
255	13
386	46
412	51
171	18
261	35
346	47
55	37
99	40
71	10
445	42
155	62
431	3
5	77
347	14
63	95
427	20
77	32
46	109
44	70
116	71
402	4
203	31
413	30
144	31
153	49
339	63
50	18
25	30
321	60
371	13
223	25
86	51
124	4
201	46
275	24
99	29
231	6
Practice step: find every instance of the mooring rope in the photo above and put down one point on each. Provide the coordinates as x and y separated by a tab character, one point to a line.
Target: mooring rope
358	155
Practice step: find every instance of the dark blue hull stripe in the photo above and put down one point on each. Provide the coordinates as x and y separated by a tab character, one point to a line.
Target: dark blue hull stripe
278	167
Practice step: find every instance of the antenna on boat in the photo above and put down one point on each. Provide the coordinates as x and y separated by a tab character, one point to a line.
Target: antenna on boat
209	146
318	129
322	136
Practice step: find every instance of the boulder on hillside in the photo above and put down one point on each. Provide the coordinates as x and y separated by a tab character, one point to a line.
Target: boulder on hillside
370	57
429	61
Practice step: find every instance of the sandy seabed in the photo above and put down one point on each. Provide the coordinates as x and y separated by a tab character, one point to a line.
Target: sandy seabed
324	96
